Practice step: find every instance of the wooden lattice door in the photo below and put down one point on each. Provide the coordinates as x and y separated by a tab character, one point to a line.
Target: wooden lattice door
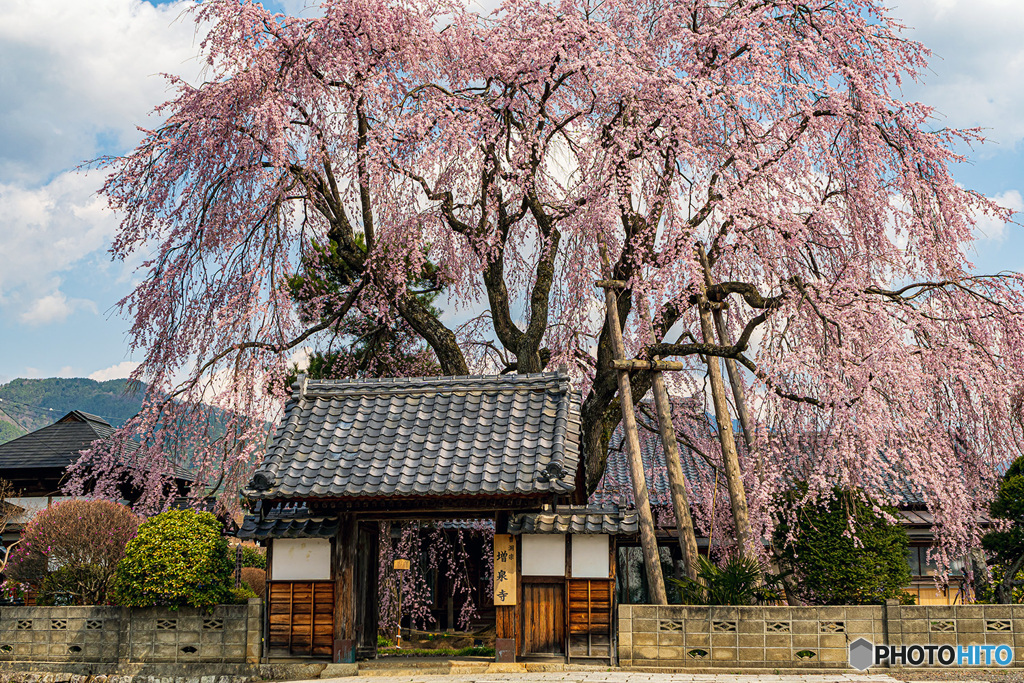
301	619
590	617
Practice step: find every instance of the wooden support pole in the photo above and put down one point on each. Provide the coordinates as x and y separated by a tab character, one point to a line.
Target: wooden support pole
648	541
641	364
739	396
730	458
676	478
738	392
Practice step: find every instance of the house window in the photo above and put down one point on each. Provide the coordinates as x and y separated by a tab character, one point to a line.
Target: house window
914	560
920	565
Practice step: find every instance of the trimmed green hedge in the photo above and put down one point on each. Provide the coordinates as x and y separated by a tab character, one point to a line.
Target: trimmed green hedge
178	559
830	566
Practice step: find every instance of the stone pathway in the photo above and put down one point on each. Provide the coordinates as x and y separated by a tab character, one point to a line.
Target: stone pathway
613	676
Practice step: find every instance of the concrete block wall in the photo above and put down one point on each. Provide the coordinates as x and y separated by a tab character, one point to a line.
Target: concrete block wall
230	634
60	634
958	625
801	637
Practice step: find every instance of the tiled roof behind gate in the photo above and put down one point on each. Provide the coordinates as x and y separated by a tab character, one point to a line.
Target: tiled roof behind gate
576	520
615	487
474	435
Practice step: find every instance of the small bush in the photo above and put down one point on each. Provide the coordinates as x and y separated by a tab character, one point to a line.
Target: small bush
473	651
256	580
82	541
740	581
64	585
178	559
242	595
254	557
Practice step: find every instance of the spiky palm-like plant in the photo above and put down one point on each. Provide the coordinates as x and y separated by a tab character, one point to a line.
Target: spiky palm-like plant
741	581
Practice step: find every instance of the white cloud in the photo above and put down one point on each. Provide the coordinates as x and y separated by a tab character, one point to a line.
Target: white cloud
54	308
35	373
300	358
122	369
991	228
301	8
43	232
79	76
977	68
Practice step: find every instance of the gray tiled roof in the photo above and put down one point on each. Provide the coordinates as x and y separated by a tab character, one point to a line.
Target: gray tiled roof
475	435
575	520
306	527
299	523
61	444
615	487
57	445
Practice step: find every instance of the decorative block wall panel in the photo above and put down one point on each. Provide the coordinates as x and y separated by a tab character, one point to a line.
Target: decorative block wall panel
802	637
230	634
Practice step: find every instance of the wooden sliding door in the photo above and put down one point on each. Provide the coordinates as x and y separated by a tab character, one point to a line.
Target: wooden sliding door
543	612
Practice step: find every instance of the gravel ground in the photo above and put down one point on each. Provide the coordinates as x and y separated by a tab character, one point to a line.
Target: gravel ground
993	675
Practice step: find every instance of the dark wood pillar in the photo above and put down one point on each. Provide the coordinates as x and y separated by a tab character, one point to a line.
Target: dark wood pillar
366	607
506	617
345	589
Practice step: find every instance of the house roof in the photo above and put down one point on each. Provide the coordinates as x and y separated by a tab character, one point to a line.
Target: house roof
422	437
57	445
615	487
290	527
61	444
575	520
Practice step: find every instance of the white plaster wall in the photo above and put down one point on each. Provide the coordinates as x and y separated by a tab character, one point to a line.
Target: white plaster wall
590	556
543	554
301	559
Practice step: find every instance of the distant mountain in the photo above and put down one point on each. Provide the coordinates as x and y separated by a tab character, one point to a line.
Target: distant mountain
30	404
9	430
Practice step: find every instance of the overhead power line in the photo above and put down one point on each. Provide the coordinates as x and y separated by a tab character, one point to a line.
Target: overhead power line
49	411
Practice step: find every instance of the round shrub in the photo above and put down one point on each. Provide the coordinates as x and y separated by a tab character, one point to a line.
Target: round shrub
178	559
1005	543
81	541
241	595
256	579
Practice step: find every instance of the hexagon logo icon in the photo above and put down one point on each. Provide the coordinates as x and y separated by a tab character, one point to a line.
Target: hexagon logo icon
861	654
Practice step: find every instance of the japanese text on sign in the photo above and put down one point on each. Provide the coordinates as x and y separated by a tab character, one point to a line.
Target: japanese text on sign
504	569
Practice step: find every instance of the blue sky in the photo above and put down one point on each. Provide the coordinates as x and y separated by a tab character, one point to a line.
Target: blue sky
77	77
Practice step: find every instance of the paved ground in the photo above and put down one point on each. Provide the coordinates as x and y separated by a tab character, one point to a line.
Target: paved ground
617	676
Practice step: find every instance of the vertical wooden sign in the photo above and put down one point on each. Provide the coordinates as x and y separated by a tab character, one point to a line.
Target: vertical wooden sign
504	569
